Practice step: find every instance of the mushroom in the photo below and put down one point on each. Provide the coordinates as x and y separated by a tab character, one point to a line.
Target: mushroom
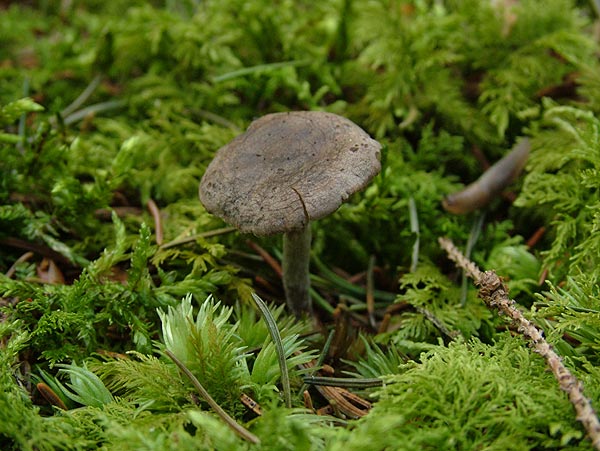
286	170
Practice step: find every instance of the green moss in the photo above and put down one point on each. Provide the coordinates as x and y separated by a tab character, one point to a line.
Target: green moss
469	396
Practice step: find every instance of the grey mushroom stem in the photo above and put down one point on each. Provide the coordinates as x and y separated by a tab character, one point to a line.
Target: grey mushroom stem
295	265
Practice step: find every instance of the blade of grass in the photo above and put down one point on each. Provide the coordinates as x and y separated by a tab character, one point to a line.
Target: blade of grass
85	94
414	228
93	109
276	337
257	69
220	120
320	301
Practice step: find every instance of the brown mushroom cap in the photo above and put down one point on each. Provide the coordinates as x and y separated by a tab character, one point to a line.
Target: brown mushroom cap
287	169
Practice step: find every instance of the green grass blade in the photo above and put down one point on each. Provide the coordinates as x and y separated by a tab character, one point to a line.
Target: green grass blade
276	337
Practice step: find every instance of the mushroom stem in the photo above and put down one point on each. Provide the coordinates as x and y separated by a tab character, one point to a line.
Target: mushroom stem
296	258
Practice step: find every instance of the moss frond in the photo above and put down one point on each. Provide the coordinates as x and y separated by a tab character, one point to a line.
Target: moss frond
207	345
563	176
438	307
377	360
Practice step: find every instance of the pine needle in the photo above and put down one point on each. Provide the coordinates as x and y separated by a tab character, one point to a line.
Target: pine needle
158	228
192	238
347	382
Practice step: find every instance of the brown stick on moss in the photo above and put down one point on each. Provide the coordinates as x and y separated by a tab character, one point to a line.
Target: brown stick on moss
494	293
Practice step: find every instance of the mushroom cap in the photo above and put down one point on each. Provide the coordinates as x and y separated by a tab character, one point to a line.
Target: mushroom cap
287	169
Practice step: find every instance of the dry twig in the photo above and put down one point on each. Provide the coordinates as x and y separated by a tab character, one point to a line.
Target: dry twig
494	293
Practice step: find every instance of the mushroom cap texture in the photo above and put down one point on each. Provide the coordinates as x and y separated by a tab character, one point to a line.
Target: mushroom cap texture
287	169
